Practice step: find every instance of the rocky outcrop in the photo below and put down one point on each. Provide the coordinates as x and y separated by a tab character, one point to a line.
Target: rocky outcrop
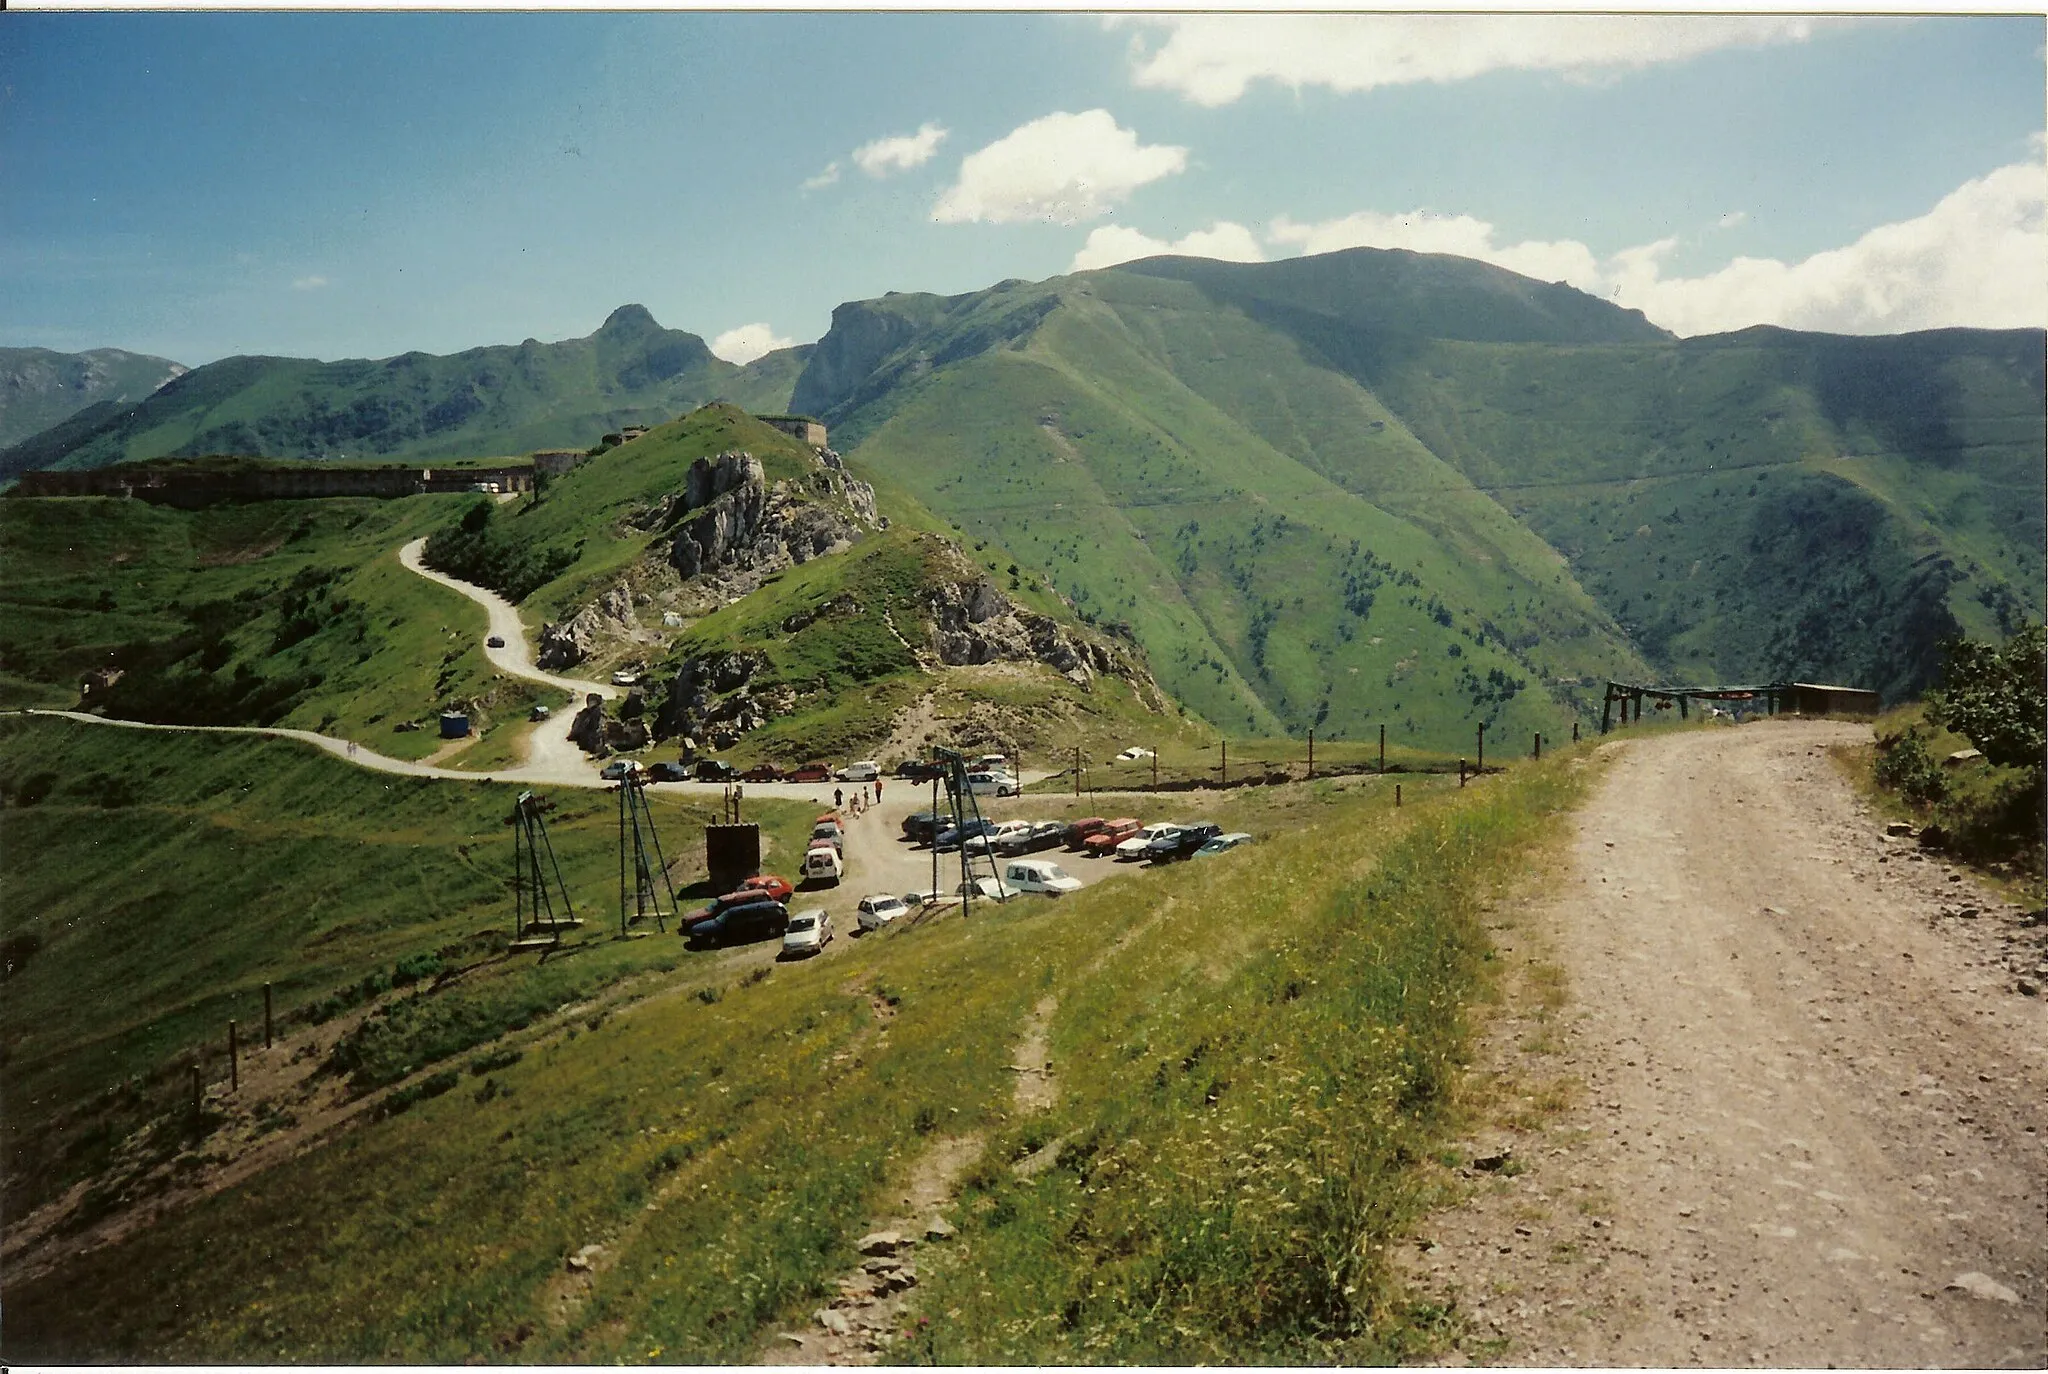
733	527
708	699
972	622
609	618
586	732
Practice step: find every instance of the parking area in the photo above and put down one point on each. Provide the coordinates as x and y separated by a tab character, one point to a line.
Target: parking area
880	860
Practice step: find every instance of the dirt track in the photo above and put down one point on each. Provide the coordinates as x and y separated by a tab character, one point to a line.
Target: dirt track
1802	1101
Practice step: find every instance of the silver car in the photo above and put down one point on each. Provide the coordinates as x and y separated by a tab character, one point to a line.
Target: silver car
808	933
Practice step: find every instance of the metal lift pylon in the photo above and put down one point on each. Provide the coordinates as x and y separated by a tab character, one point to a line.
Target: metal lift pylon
536	922
636	836
958	790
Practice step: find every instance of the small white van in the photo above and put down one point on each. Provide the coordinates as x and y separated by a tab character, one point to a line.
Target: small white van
822	865
1039	875
866	770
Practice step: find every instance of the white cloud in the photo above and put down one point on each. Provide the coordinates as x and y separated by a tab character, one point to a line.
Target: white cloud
1974	259
1211	59
1064	168
1115	243
313	283
748	342
900	154
1733	219
823	179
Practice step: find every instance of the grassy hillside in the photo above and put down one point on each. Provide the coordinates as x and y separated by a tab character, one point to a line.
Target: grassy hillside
1142	432
1284	562
1766	504
274	613
727	1148
154	882
496	400
39	387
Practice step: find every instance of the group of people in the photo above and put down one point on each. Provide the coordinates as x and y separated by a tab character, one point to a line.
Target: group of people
859	801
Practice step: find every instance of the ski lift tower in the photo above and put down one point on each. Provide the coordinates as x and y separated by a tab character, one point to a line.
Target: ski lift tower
537	923
636	838
961	801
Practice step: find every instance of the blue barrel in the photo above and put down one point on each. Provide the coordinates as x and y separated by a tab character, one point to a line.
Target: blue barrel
454	725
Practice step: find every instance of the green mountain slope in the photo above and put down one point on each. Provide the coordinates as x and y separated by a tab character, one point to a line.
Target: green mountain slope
1288	555
40	388
495	400
1191	447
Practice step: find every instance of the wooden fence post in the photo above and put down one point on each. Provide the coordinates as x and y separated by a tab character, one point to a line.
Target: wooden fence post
1537	753
1481	768
1461	772
196	1117
1383	748
266	1016
234	1061
1397	796
1311	753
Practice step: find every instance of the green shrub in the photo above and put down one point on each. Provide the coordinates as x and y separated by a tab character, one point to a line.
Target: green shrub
1905	766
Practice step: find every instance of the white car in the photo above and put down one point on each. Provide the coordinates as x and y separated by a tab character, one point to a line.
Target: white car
993	840
808	932
985	889
822	864
1133	754
619	769
625	677
992	763
877	911
1138	845
867	770
1039	875
997	784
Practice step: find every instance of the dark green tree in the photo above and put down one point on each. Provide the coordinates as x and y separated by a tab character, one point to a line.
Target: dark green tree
1996	696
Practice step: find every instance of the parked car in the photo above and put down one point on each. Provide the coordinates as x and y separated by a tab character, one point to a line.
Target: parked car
829	833
618	769
920	826
762	772
991	841
1139	845
984	889
1183	843
495	642
1220	843
770	883
1078	831
993	784
1035	835
744	896
738	925
625	677
715	770
866	770
808	932
1133	754
665	771
919	770
991	763
877	911
1112	834
1039	875
810	772
822	864
539	713
953	837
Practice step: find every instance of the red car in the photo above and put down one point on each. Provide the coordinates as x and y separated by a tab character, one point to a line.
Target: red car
1113	833
810	772
762	772
1078	831
774	886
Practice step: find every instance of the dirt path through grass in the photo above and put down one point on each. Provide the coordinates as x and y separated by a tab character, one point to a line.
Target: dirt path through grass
1807	1107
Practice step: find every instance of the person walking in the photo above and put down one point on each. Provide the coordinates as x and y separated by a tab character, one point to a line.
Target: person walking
838	799
878	789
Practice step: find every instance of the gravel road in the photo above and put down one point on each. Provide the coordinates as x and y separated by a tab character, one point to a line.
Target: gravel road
1807	1096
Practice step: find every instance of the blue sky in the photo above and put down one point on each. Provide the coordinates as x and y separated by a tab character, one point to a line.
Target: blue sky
197	185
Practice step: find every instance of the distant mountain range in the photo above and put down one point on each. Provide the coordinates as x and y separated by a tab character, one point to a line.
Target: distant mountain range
1361	488
493	401
40	388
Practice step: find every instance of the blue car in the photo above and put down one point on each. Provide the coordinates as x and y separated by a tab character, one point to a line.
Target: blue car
952	837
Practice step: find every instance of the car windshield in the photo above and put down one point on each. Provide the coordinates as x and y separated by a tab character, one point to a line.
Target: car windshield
1055	873
801	922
